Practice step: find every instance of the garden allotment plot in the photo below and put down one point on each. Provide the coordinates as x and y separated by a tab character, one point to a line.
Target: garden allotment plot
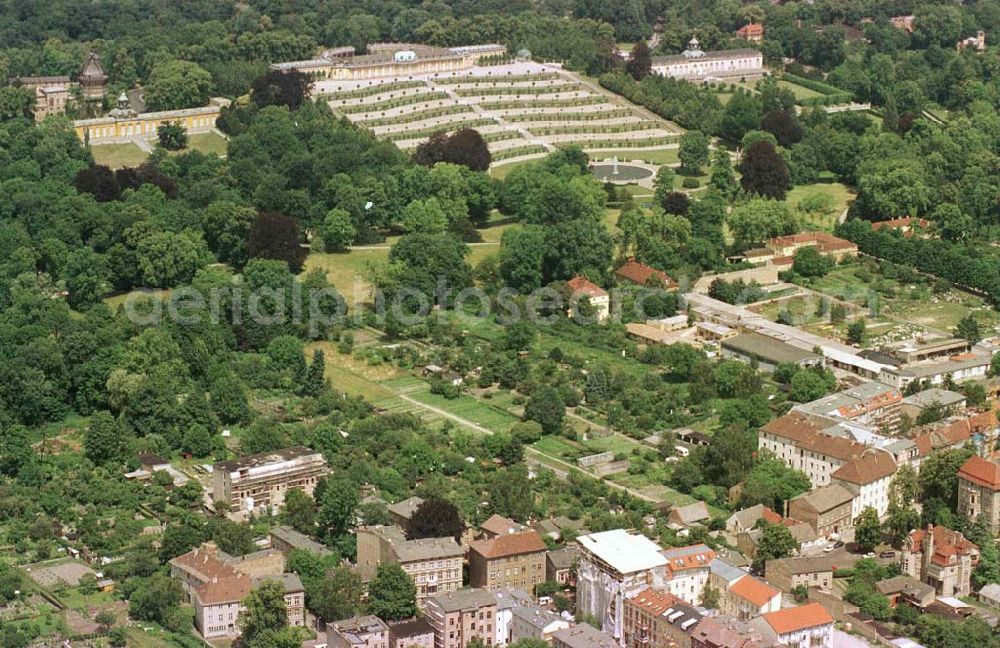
522	110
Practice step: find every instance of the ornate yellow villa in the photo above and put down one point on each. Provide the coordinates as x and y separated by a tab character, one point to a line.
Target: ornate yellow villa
391	60
123	123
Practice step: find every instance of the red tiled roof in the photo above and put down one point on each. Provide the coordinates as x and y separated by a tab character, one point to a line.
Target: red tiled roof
822	240
653	601
753	29
871	466
791	620
640	273
954	434
498	524
753	590
806	434
980	471
580	284
770	516
947	543
900	223
225	590
509	544
203	562
691	557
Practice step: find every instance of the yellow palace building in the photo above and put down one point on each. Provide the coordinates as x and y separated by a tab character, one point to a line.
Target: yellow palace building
122	123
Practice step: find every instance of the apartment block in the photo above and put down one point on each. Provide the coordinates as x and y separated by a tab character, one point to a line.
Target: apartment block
263	480
615	565
358	632
435	564
658	619
513	560
459	617
979	491
941	558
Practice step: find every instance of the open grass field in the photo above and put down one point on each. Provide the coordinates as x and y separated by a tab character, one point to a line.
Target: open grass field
819	205
117	156
209	143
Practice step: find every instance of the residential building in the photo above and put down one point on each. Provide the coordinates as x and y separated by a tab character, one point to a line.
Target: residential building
51	100
497	525
614	565
508	561
507	600
459	617
746	519
803	534
915	405
784	247
942	558
906	589
990	595
980	429
828	509
979	491
216	584
867	477
599	299
411	633
641	274
560	565
748	598
959	368
767	352
295	596
285	539
687	570
872	404
435	564
721	632
906	224
657	619
583	636
753	32
531	621
689	515
218	604
387	60
358	632
402	512
803	444
806	571
697	65
262	481
806	626
723	573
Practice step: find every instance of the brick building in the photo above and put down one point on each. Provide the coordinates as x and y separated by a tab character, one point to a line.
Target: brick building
513	560
435	564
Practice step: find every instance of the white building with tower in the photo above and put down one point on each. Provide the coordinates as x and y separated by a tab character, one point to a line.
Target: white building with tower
695	64
615	565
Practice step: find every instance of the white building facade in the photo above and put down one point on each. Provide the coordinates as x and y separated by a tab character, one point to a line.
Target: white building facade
697	64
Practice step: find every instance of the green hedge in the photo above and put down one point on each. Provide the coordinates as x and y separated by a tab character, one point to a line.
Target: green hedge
388	104
544	103
832	94
567	116
456	80
373	90
415	116
519	90
427	132
628	127
517	152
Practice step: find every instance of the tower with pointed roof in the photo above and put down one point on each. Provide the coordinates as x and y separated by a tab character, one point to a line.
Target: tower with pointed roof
694	49
92	78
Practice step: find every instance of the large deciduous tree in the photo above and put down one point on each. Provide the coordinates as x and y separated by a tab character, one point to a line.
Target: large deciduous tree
174	84
639	61
764	171
276	236
391	594
436	517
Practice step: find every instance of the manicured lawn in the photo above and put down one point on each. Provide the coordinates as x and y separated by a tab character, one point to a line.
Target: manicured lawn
800	92
557	447
115	301
117	156
615	443
347	270
657	156
211	143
